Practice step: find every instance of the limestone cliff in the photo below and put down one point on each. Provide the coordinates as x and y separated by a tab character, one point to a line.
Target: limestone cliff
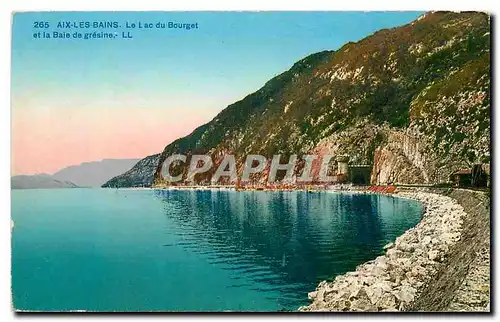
414	101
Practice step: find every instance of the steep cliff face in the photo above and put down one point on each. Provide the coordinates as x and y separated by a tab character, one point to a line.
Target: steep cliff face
141	174
401	159
414	101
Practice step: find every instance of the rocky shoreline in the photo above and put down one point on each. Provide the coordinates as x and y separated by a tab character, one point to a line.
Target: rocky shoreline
392	282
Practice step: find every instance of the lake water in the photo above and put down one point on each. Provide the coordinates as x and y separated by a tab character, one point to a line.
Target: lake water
146	250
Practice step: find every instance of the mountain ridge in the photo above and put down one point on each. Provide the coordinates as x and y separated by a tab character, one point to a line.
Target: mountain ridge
94	173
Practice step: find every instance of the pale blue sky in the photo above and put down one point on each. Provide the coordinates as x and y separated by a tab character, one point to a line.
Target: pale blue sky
231	55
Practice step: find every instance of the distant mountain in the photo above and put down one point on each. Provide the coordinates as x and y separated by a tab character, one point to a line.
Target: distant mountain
412	101
39	181
94	174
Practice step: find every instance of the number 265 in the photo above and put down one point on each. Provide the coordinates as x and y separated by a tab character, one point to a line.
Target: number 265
40	24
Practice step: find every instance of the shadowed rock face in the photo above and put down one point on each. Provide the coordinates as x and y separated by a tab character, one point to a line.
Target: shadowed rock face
94	174
414	101
140	175
41	181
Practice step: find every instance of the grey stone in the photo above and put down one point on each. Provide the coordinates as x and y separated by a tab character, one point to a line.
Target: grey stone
406	294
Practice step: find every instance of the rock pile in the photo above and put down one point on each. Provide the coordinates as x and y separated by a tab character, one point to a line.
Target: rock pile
392	282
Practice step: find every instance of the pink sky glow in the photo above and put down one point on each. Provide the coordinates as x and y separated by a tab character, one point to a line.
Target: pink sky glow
44	140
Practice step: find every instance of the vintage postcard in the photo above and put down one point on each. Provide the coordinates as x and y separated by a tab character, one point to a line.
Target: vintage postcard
251	161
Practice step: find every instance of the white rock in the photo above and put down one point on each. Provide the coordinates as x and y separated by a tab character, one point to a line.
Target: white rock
388	246
406	294
426	240
374	293
381	262
384	285
312	295
433	255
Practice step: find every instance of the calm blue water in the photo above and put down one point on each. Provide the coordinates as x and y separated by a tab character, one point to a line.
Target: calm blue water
145	250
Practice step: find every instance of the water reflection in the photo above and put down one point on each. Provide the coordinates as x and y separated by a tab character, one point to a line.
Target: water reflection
285	241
